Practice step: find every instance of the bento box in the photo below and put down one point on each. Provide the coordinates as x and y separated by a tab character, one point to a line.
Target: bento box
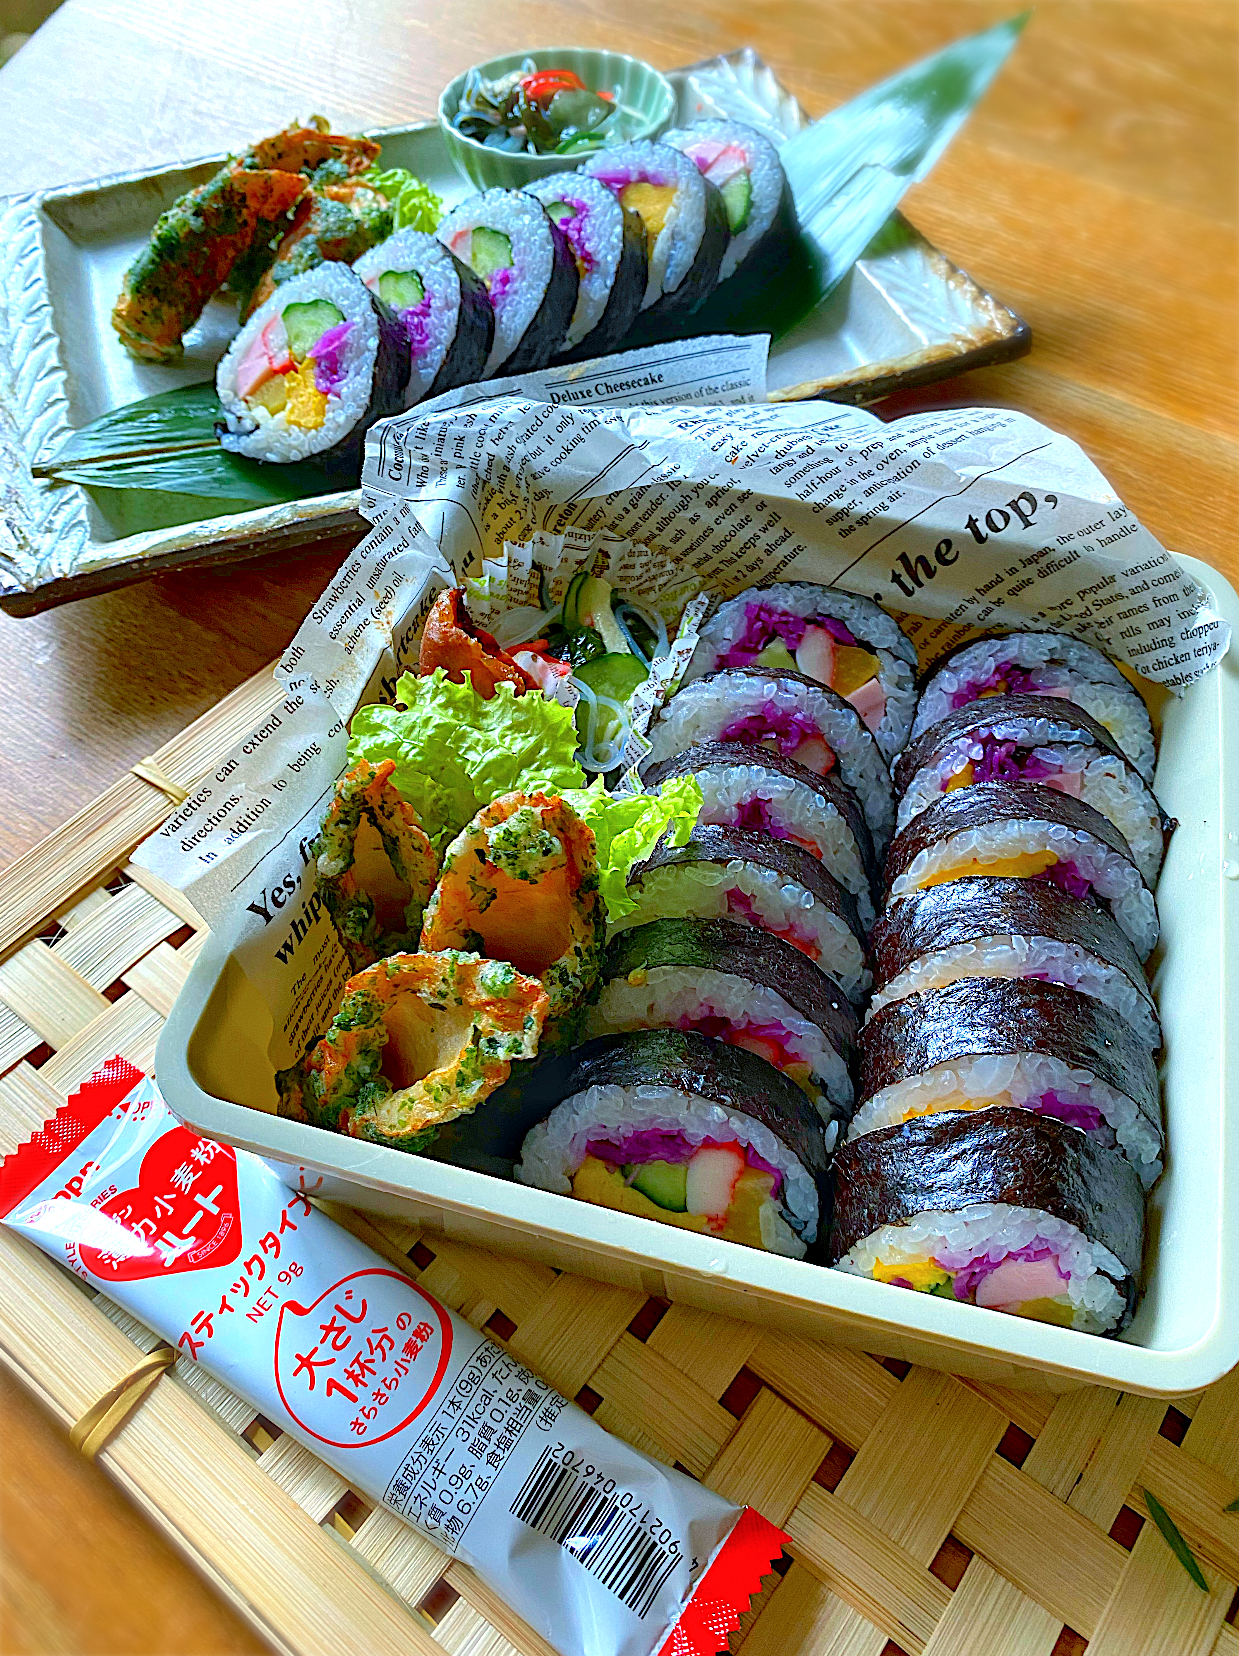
212	1065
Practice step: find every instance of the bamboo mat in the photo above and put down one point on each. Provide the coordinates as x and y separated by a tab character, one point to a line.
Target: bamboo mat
927	1514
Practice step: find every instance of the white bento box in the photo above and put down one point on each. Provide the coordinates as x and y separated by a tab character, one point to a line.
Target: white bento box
212	1066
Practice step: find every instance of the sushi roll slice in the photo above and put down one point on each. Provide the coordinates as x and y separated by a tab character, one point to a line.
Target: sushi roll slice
1009	928
741	986
1007	1210
743	786
744	167
1035	739
692	1132
608	243
684	218
728	873
443	306
790	715
1042	664
980	1043
847	643
311	371
506	238
1027	833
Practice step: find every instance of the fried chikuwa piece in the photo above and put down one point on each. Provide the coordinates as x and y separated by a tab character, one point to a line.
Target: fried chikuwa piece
419	1040
306	149
192	250
375	865
451	640
335	224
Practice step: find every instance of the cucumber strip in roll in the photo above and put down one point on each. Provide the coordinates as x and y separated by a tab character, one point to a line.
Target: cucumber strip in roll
507	239
744	167
1009	928
677	1127
1024	832
789	714
443	306
1042	664
311	371
607	242
773	885
848	643
684	217
981	1042
739	985
1038	739
744	786
1006	1209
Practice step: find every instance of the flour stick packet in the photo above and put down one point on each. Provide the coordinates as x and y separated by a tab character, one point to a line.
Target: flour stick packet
602	1550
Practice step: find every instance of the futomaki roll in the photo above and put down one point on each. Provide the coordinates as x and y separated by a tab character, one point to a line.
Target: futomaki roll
683	215
607	241
444	308
980	1043
747	786
1033	739
506	238
788	714
741	986
728	873
986	928
1006	1209
692	1132
311	371
1042	664
744	167
845	642
1027	833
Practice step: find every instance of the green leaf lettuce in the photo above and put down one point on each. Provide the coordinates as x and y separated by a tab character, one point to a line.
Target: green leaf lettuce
415	205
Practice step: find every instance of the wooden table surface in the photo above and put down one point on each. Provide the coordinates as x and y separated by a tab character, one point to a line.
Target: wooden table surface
1095	191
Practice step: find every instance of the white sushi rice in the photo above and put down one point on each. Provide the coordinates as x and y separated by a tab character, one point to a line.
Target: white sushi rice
868	623
1105	783
676	245
1010	956
1061	665
666	994
803	814
702	710
992	1230
260	435
600	228
555	1148
1016	1079
416	250
524	222
701	890
1111	876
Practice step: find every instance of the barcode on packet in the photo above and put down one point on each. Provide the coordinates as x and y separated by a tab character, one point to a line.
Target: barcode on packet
609	1542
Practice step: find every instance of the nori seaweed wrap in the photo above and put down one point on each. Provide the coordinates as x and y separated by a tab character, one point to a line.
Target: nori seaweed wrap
1005	1209
1043	1047
608	243
678	1127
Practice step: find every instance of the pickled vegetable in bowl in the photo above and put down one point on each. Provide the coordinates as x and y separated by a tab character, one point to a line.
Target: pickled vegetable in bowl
542	112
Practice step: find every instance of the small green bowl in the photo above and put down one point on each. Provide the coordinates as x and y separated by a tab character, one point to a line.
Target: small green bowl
642	89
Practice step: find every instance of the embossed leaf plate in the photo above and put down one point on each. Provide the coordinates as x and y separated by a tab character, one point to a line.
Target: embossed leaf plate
902	317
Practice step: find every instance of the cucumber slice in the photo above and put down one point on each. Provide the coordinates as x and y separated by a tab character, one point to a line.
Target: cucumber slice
401	289
558	211
777	655
489	250
665	1183
305	325
737	196
572	601
613	675
594	610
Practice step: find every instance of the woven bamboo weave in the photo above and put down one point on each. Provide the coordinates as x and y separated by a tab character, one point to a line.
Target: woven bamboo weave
927	1514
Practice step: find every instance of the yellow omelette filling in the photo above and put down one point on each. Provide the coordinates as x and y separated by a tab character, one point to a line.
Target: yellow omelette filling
294	395
1026	866
955	1101
602	1184
652	203
927	1277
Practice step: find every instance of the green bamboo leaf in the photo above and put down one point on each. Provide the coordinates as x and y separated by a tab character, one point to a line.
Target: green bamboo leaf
1174	1540
211	472
180	419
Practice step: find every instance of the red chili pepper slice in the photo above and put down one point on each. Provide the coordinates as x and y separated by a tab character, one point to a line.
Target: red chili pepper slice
542	87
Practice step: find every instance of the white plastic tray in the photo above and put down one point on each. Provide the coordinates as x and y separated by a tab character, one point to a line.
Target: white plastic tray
212	1059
